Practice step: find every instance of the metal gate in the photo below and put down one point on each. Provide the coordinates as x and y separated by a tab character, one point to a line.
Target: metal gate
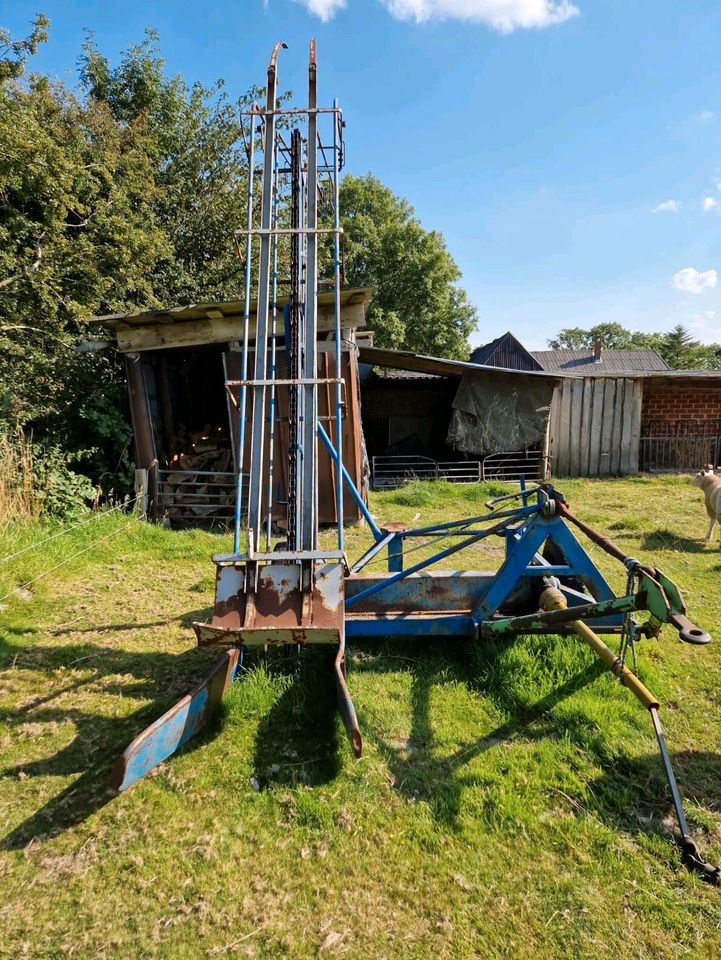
387	473
674	445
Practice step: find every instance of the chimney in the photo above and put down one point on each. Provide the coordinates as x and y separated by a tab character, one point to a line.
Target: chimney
597	351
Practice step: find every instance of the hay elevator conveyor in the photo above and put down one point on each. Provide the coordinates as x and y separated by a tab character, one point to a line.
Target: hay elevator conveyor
278	587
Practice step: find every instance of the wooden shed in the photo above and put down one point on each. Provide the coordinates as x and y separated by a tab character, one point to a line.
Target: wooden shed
654	420
185	421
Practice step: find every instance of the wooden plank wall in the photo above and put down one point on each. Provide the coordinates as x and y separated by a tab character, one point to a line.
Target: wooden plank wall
595	426
353	458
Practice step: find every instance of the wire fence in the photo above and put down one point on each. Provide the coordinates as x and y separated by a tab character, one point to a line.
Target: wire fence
66	530
113	533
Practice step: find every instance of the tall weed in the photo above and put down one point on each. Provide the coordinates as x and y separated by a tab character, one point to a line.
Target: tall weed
37	480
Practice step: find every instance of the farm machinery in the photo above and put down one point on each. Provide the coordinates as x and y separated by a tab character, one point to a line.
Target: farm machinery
279	587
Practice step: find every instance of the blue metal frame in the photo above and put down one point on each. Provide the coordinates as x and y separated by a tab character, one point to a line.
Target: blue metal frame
346	477
525	529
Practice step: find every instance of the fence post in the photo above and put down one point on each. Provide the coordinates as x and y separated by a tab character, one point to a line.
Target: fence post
141	493
153	506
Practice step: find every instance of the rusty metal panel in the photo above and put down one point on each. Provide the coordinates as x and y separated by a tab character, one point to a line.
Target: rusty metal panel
352	437
275	612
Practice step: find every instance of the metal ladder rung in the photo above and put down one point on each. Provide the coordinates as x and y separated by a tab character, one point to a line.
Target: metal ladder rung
296	382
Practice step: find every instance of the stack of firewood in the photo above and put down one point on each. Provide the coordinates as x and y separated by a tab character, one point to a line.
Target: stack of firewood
206	449
188	490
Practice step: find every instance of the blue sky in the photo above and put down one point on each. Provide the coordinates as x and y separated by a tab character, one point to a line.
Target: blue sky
569	153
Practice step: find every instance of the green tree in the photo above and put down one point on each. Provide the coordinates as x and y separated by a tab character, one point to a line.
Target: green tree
76	238
677	347
612	335
195	141
680	351
122	196
417	304
14	53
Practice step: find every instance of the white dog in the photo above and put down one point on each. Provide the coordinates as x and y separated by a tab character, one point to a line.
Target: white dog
711	486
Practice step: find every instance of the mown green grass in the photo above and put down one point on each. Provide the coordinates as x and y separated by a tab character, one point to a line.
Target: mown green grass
509	802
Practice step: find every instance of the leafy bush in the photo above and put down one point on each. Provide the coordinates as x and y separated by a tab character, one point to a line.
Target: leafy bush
60	491
37	480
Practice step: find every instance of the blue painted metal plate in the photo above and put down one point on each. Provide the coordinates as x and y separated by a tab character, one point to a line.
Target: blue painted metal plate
161	739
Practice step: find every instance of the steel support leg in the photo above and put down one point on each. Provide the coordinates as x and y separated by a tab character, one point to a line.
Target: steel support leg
552	599
689	851
345	704
395	555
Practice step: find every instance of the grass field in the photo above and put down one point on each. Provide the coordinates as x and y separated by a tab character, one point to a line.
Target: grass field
509	803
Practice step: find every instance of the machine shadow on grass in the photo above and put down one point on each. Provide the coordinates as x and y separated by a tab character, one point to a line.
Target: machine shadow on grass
99	739
631	794
297	743
297	739
417	770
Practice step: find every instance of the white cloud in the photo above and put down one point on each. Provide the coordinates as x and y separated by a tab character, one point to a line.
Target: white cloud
706	116
694	281
324	9
668	206
709	203
503	15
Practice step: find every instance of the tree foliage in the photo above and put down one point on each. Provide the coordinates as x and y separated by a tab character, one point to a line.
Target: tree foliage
677	347
417	304
123	194
14	53
120	196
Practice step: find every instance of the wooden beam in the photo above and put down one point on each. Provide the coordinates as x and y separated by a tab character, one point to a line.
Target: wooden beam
626	428
586	427
616	431
193	333
563	445
596	429
636	424
574	447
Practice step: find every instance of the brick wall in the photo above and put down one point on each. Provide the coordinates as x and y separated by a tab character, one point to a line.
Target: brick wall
680	401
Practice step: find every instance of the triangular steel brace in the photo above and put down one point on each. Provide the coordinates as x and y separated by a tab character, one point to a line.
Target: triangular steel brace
519	558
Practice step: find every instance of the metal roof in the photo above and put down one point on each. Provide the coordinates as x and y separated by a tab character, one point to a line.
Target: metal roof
404	360
668	374
393	373
505	348
218	309
583	362
437	366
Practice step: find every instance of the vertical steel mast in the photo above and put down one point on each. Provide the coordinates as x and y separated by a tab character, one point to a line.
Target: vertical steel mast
290	591
296	200
255	492
309	486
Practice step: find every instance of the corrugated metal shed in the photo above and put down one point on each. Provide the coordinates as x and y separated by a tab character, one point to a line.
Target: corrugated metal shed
505	351
583	361
404	360
388	373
